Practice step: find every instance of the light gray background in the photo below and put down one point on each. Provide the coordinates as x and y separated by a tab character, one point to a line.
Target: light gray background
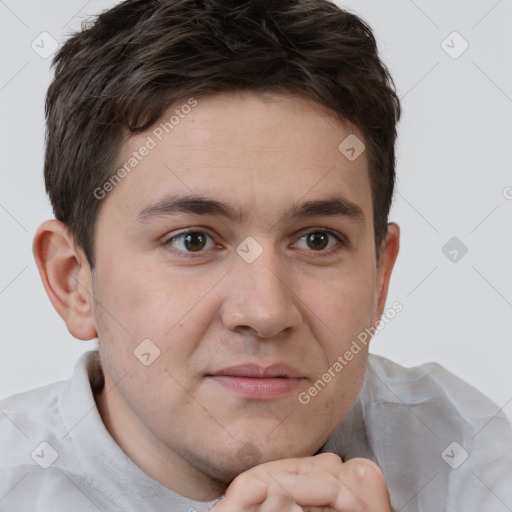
454	179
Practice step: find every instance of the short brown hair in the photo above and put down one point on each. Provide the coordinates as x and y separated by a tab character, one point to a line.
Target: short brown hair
119	74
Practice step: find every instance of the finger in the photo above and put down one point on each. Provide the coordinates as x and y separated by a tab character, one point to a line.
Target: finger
321	481
367	482
364	482
247	489
252	486
319	488
276	503
310	486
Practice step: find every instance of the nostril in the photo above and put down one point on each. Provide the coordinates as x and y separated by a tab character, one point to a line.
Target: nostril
248	330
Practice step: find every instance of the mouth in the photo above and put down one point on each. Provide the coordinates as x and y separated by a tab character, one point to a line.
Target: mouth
256	382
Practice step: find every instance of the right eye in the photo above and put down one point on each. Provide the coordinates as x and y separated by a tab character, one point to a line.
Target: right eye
191	242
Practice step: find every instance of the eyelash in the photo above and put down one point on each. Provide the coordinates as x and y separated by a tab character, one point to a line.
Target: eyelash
341	240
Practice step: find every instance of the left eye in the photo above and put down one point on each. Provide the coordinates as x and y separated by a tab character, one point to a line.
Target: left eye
191	241
318	240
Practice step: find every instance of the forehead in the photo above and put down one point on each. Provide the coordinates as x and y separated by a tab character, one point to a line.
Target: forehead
262	152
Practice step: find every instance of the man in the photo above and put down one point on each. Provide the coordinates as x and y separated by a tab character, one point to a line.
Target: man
221	175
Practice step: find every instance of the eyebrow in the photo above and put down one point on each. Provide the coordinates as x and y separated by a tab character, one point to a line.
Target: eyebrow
333	206
199	205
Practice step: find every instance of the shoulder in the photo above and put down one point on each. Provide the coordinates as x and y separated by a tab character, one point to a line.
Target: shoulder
437	425
26	419
430	392
24	415
424	385
37	456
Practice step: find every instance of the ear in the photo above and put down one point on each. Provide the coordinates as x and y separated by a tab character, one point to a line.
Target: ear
388	253
66	277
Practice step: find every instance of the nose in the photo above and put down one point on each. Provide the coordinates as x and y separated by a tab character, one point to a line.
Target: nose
260	297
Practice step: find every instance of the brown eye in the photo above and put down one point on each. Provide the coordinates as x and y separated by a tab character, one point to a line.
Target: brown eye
195	241
317	240
191	242
322	241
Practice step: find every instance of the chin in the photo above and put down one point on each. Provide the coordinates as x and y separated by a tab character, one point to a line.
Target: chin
222	468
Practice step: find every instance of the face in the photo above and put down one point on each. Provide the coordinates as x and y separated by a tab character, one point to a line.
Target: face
234	265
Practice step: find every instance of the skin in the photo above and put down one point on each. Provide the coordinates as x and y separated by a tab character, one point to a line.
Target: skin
296	303
309	484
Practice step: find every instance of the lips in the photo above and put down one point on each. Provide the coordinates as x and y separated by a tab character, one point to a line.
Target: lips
255	371
256	382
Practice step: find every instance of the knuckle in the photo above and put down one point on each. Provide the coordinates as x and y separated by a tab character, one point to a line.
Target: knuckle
366	470
330	458
242	481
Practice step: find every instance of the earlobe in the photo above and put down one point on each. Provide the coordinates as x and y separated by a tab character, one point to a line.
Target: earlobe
389	252
66	277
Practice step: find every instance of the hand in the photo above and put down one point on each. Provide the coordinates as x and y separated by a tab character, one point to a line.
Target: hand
319	483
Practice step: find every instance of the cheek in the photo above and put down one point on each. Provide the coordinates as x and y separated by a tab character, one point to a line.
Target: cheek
155	313
345	305
170	309
154	301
